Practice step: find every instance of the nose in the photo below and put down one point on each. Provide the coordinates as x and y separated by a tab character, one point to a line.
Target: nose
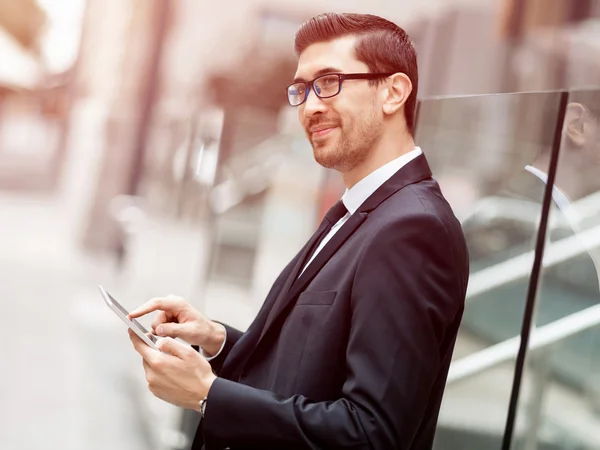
313	104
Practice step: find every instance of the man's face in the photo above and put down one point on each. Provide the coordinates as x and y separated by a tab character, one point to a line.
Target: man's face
343	129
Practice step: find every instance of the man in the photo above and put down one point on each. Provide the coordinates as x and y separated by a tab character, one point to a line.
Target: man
567	286
352	346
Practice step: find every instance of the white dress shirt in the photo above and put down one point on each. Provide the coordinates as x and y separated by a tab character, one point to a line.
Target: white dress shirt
355	196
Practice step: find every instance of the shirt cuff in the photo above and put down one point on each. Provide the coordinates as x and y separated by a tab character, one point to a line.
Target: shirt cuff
209	358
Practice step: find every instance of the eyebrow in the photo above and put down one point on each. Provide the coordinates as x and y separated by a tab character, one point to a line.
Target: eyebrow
318	73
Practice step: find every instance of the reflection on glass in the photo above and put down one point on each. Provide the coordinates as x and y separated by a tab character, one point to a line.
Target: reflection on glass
480	149
561	401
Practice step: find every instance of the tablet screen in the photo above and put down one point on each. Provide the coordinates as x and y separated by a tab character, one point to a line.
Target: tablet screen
136	323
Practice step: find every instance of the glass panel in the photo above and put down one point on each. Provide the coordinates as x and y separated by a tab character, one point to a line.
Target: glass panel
479	148
560	401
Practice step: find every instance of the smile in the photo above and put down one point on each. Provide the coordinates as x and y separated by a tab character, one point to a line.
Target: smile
321	133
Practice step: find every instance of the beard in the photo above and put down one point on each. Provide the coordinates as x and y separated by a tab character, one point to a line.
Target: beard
351	145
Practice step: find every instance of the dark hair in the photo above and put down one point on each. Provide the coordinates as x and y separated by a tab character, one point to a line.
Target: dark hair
382	45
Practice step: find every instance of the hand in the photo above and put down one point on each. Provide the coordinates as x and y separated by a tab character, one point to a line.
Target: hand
176	318
179	375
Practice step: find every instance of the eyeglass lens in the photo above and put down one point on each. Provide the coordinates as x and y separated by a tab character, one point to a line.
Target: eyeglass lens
325	86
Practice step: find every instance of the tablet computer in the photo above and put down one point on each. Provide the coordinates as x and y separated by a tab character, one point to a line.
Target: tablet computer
135	326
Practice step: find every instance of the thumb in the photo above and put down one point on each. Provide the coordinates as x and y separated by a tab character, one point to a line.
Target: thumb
172	347
174	330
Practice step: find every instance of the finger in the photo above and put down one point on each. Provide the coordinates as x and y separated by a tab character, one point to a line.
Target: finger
145	351
150	376
160	318
171	346
166	304
174	330
135	340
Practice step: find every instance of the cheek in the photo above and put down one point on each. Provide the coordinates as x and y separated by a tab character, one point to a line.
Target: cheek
359	121
354	111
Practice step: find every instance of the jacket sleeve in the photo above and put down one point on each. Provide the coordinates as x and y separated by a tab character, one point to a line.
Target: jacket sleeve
233	335
405	300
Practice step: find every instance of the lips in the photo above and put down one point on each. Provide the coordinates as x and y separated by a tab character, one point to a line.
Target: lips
322	130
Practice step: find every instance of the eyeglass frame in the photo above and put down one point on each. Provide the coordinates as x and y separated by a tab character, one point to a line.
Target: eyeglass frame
342	77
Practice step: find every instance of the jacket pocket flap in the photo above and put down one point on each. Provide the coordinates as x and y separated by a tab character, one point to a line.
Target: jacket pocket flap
316	298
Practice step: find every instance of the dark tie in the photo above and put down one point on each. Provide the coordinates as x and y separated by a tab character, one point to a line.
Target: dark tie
336	212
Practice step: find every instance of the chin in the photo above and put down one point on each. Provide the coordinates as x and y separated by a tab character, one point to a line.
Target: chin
326	156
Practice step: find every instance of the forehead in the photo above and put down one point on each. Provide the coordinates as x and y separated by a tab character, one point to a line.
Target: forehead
338	54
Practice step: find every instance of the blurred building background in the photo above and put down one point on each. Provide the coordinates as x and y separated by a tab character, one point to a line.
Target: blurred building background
146	145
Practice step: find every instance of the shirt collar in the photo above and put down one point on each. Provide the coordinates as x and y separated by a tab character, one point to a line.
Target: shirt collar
355	196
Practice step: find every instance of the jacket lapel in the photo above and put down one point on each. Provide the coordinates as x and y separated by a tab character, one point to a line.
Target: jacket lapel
327	252
281	300
243	348
308	250
415	171
295	285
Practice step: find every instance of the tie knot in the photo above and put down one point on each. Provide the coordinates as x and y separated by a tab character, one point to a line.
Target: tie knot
336	212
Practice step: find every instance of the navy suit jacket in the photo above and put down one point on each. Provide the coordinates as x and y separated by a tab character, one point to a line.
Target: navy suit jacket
355	352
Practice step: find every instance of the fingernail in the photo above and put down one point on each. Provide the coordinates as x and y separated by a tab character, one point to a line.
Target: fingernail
159	331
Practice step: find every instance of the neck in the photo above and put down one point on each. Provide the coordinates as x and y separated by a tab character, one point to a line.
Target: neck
386	150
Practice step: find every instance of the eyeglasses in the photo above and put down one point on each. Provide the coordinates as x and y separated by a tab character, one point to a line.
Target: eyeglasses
325	86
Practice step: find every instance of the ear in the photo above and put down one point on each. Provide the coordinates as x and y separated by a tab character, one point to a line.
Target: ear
396	93
575	118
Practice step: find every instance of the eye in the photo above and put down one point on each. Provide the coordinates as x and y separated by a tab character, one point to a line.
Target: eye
329	81
327	86
297	89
